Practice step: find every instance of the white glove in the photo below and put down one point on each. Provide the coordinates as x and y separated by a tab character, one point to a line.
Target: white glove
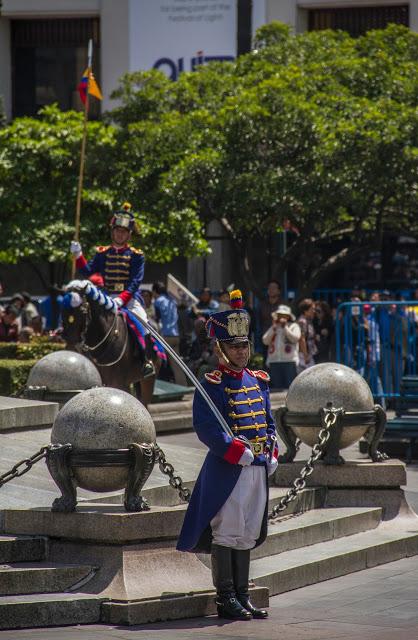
246	459
272	466
75	249
118	302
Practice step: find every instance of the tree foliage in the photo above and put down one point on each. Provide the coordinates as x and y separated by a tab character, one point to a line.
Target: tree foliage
39	167
317	132
39	160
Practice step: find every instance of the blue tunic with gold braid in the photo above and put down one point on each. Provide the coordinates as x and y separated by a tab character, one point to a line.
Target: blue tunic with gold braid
122	270
243	399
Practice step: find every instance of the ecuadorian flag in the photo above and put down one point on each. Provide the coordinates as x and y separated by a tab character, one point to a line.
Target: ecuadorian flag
89	80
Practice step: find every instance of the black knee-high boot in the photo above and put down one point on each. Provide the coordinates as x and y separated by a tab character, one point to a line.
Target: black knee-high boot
241	569
222	573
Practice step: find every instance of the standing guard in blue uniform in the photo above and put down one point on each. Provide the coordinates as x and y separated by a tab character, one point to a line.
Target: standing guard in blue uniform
227	513
122	269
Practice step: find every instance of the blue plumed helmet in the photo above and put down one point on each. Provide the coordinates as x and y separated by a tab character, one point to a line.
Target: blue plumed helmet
231	326
123	217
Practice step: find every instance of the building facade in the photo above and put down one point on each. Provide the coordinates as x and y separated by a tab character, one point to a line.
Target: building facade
43	43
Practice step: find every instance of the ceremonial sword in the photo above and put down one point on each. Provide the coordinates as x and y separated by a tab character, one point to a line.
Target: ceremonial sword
225	426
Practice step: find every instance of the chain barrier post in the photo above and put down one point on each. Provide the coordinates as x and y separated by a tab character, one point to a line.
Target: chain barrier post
175	481
329	417
165	467
28	464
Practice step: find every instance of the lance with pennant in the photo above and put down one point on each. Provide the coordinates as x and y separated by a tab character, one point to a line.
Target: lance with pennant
88	86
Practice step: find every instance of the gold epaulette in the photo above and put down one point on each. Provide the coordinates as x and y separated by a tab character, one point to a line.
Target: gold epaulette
261	375
215	377
134	250
102	249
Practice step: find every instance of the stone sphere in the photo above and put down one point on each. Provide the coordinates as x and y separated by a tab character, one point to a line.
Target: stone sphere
315	387
64	371
102	418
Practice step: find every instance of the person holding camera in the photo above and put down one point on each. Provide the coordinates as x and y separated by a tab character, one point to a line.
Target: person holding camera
282	341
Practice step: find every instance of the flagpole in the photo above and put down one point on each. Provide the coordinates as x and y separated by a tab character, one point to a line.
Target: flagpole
83	153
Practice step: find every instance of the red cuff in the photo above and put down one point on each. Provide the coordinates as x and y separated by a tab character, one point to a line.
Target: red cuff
234	451
125	296
80	262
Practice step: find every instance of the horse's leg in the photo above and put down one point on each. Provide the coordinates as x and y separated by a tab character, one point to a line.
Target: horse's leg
147	389
138	390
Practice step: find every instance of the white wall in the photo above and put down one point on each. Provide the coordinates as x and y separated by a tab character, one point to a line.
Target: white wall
114	26
259	14
282	10
413	15
177	34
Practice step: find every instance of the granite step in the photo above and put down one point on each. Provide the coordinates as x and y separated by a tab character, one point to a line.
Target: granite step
22	548
318	525
337	557
110	523
49	610
41	577
170	421
178	607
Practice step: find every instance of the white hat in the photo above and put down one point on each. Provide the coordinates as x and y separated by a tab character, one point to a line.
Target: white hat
284	310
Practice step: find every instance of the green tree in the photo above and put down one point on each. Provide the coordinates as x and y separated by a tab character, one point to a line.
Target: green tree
39	165
39	160
316	131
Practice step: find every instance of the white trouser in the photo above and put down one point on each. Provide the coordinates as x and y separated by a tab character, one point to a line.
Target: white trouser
238	523
136	307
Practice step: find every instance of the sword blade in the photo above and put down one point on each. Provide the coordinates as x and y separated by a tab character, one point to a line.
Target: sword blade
226	428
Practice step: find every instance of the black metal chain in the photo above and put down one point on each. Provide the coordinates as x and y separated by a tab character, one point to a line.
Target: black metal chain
28	464
175	481
165	467
329	419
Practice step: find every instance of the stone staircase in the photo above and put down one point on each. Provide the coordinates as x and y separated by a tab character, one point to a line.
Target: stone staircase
36	592
101	564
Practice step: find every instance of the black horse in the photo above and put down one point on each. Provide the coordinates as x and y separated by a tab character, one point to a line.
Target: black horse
93	328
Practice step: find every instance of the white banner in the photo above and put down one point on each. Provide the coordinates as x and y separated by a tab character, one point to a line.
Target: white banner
178	35
180	292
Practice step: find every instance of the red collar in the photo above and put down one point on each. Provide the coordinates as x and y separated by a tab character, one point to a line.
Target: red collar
230	372
120	249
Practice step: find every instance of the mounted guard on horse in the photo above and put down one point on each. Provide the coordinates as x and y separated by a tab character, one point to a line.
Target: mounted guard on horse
122	269
103	323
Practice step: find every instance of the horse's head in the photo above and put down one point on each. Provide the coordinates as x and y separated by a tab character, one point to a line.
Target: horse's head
75	313
80	302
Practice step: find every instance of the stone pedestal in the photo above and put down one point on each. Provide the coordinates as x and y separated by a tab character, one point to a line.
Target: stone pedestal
16	413
135	566
354	473
357	483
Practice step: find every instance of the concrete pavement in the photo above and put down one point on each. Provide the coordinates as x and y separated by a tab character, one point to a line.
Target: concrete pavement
376	604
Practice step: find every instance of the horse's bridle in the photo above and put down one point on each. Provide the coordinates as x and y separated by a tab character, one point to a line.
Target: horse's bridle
85	310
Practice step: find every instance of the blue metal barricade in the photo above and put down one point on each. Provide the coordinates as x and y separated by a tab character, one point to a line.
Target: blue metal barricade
332	296
379	340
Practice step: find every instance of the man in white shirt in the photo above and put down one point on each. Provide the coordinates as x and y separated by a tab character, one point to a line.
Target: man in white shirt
282	341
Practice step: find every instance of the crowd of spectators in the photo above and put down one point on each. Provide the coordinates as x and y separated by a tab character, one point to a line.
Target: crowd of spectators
19	318
378	337
294	343
286	338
